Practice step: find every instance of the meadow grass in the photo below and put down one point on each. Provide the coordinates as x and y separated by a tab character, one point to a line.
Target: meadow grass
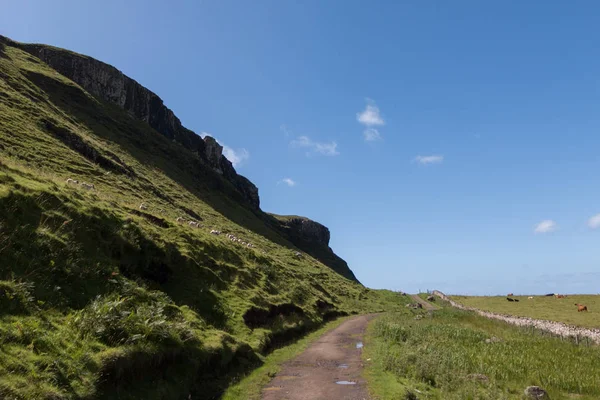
101	300
445	355
541	307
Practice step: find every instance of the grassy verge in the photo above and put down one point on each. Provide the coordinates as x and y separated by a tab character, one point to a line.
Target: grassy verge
541	307
446	356
250	386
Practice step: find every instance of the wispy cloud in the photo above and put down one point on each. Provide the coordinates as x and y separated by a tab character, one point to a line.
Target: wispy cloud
426	160
285	130
323	148
371	134
237	157
546	226
288	181
371	115
594	222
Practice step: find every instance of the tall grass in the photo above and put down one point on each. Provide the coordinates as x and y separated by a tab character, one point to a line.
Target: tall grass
447	356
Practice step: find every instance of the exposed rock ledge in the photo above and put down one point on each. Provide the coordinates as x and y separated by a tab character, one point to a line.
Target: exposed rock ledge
110	84
312	238
308	229
556	328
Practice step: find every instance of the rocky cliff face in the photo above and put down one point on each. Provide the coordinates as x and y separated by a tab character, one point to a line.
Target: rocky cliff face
111	85
309	230
313	238
221	165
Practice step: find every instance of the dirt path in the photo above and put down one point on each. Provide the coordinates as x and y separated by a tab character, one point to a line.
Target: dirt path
426	305
333	358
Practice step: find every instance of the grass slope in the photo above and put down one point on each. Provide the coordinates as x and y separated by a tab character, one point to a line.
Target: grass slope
99	299
445	356
541	307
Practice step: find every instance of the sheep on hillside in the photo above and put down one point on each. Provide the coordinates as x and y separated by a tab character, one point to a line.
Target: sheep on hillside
143	206
180	220
215	232
72	181
88	186
194	224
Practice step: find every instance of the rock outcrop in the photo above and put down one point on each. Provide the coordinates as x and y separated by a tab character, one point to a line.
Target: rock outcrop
312	238
309	230
109	84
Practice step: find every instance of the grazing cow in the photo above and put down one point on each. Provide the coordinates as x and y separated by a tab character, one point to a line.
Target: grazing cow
560	296
530	297
510	294
581	307
517	300
509	299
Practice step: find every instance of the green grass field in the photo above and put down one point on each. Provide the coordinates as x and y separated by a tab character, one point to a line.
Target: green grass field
541	307
445	356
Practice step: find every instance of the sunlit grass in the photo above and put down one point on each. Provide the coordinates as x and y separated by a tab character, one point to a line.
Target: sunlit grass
440	354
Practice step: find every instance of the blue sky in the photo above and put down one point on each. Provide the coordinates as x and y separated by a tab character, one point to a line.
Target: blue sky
449	145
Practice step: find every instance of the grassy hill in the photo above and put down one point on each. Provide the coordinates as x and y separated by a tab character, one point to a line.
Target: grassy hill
102	298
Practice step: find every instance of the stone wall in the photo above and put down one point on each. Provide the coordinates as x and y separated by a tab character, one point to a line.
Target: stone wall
556	328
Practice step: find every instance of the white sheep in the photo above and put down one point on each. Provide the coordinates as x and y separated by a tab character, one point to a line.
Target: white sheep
215	232
72	181
194	224
143	206
180	220
88	186
243	243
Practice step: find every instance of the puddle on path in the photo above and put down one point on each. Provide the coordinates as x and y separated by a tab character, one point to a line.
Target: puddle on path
345	383
343	366
359	345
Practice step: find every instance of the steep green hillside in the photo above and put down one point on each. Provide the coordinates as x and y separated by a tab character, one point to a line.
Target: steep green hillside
103	297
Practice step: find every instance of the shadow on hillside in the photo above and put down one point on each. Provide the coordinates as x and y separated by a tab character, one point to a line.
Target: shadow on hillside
2	49
184	372
68	273
181	165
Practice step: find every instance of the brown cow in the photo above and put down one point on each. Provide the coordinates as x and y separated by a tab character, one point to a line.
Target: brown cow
509	295
560	296
581	307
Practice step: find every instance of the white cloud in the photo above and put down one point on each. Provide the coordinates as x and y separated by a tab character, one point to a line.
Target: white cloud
371	134
236	156
594	222
545	226
426	160
288	181
326	149
370	116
